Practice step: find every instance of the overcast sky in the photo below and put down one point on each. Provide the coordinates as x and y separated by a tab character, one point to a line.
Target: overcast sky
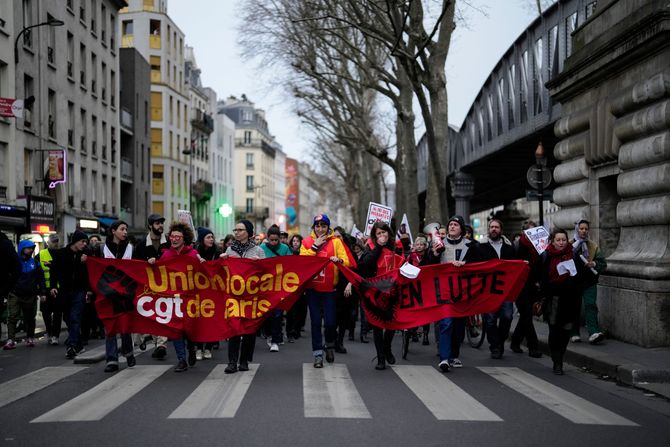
210	26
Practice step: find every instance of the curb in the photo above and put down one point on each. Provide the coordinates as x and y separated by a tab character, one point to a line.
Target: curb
632	374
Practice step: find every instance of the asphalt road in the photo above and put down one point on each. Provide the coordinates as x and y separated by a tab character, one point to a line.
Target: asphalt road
517	401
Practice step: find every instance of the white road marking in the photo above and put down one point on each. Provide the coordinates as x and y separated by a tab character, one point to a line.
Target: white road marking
102	399
564	403
30	383
329	392
218	396
441	396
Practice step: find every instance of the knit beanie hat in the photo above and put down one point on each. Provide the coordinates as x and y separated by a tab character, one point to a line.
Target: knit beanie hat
249	226
460	221
203	232
77	236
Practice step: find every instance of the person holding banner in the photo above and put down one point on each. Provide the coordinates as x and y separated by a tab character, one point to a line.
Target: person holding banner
116	246
181	244
559	287
497	324
273	247
208	251
321	292
296	316
418	258
380	257
150	250
241	347
457	252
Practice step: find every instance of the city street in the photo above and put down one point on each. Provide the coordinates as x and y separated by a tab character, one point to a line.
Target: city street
283	400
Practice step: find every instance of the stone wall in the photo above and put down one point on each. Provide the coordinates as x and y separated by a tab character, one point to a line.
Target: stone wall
614	150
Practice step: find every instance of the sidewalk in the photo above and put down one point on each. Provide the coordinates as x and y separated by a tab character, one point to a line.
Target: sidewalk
645	368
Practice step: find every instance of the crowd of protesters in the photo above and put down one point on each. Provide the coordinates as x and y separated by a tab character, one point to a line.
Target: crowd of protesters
57	279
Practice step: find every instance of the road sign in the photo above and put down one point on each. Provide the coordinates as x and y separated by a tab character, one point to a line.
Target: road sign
531	176
532	195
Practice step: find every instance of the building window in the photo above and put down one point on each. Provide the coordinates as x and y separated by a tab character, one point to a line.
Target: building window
27	21
250	183
82	120
155	34
127	36
94	74
70	55
570	26
156	106
28	89
103	25
51	123
590	9
523	90
112	88
93	14
250	160
82	66
70	128
51	43
103	93
250	206
247	137
94	136
155	62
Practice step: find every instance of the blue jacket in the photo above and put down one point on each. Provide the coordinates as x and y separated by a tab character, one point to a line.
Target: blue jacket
31	277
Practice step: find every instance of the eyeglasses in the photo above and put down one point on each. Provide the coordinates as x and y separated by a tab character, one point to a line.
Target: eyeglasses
235	230
176	236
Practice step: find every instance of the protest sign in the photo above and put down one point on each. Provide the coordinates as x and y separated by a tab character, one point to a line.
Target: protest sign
539	237
377	211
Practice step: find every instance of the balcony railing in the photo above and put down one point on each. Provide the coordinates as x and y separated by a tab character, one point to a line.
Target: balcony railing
202	121
127	120
258	212
127	169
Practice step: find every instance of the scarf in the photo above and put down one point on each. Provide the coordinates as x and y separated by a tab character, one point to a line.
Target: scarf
240	248
555	257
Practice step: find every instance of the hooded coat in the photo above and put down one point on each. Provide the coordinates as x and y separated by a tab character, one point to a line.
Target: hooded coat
31	278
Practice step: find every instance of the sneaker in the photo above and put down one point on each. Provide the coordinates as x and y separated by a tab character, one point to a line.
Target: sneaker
244	366
10	344
53	341
198	354
596	338
159	353
330	355
131	361
207	354
455	363
318	361
80	350
291	339
444	366
181	366
575	339
231	368
274	347
496	354
70	352
111	367
30	343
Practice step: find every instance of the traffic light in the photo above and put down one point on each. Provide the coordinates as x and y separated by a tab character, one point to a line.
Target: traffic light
225	210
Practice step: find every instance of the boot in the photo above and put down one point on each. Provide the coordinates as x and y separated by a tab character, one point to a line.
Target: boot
388	340
425	339
381	363
558	363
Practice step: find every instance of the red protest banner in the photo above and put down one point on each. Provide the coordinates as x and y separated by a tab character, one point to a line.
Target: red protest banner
209	301
392	301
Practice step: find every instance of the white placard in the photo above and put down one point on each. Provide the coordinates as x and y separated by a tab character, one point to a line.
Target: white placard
404	229
377	211
539	237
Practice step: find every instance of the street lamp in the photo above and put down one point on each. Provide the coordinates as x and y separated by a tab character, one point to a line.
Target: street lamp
540	163
50	22
189	152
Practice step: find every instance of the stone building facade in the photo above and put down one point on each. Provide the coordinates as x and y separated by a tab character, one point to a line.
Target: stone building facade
614	151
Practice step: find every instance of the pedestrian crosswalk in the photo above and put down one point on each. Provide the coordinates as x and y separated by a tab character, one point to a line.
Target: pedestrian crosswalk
328	393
